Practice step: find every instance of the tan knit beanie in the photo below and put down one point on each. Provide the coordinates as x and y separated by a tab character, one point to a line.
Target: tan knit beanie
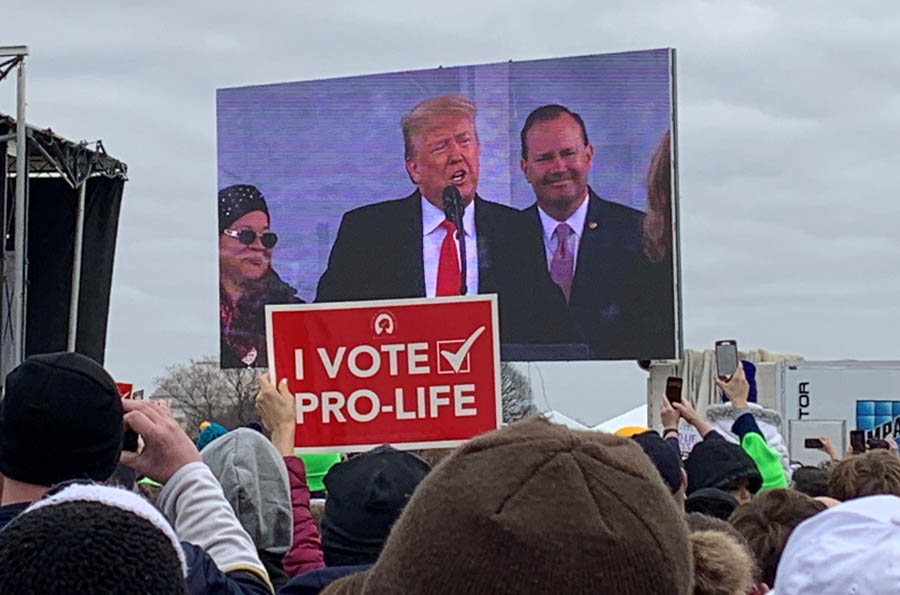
536	508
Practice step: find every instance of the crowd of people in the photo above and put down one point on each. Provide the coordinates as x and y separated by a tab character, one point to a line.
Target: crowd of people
533	507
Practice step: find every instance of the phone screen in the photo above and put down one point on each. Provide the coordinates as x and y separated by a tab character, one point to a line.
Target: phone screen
858	441
673	389
726	358
130	440
812	443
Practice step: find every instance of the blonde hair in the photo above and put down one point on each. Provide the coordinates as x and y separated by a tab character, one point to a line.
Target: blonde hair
658	218
419	118
722	566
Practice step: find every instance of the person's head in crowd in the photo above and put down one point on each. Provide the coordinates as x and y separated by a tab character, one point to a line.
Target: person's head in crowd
722	565
91	539
851	548
366	494
698	522
123	477
874	473
630	431
255	482
61	419
723	465
441	147
245	240
712	502
556	158
666	460
209	431
767	522
536	508
812	481
657	224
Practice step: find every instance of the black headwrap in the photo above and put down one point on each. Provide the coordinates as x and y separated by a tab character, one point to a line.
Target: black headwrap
238	200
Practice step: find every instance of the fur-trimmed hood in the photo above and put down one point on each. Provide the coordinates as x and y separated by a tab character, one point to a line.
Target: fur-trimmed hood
721	417
724	411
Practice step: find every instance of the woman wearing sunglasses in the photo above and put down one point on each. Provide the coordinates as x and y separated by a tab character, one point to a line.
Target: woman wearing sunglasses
247	281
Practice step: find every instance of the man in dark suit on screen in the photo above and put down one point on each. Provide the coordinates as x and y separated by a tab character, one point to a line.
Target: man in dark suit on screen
593	247
406	247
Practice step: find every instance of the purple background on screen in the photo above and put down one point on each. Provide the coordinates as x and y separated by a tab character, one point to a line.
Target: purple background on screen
317	149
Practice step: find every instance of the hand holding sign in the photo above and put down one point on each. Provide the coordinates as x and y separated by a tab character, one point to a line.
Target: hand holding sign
277	408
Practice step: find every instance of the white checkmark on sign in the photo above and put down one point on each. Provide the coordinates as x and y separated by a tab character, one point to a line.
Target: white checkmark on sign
455	359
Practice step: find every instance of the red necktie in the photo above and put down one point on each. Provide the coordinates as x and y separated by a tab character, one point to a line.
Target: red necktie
448	264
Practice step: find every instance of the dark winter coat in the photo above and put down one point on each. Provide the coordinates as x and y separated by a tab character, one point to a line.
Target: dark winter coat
243	325
314	581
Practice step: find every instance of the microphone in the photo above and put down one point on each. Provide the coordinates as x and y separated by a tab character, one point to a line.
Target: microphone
452	204
453	211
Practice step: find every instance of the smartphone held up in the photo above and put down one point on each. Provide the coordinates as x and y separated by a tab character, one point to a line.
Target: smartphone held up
813	443
726	358
857	441
673	389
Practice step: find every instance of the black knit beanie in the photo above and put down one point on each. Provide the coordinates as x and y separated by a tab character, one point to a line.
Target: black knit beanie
663	456
61	419
238	200
536	508
717	463
712	502
91	547
365	496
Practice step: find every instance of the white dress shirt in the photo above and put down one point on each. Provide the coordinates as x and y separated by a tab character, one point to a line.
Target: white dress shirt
575	221
432	238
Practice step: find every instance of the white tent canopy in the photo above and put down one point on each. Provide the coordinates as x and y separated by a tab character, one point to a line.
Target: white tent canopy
635	417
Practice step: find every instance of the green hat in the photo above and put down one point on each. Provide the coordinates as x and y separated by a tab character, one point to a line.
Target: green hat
317	465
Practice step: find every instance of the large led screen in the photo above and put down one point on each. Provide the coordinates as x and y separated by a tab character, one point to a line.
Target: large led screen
561	171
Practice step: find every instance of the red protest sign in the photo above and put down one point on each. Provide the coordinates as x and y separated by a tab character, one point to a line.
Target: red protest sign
125	389
411	373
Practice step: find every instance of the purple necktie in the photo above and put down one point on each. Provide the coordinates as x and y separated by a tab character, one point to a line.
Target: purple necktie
562	265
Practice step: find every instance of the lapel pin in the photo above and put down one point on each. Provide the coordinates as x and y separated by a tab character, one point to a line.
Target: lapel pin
592	225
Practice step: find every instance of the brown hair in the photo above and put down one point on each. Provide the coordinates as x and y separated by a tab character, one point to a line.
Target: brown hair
658	219
546	113
873	473
419	118
767	521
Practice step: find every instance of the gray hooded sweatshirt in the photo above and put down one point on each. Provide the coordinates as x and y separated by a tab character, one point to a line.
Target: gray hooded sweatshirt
255	481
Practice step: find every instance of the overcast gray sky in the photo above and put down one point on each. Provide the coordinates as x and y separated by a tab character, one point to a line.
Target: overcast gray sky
789	120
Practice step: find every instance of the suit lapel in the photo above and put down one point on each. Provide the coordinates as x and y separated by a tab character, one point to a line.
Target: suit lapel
483	222
595	274
408	242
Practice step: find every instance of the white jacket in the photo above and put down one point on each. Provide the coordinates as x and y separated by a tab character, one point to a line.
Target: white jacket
722	416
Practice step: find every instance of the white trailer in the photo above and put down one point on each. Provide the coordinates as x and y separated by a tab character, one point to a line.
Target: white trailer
831	398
